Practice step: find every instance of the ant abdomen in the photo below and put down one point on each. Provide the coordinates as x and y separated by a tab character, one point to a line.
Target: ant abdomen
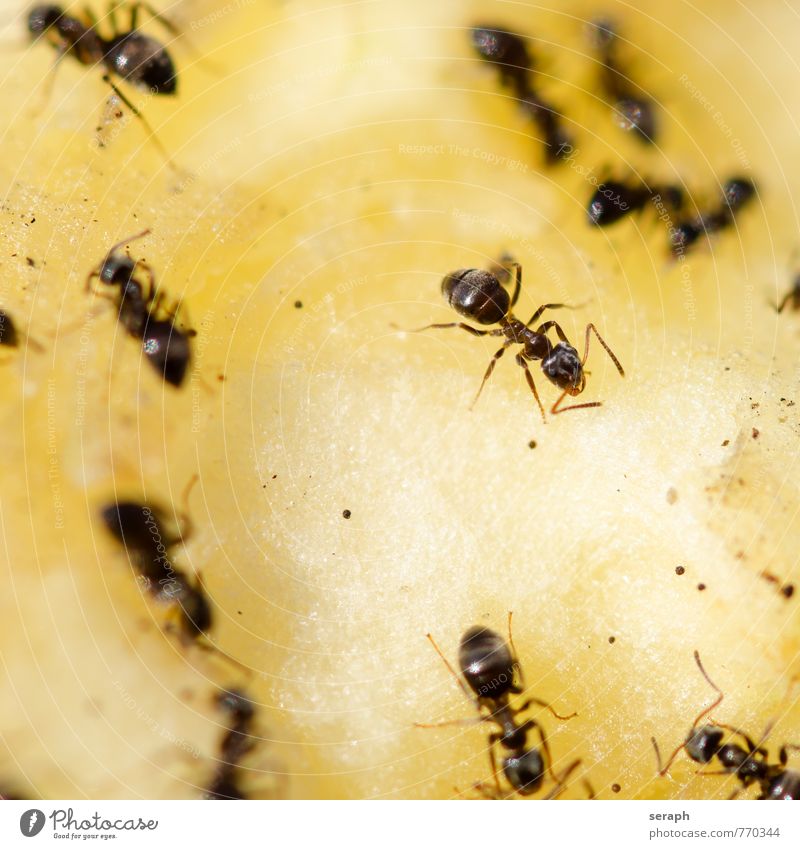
476	294
486	662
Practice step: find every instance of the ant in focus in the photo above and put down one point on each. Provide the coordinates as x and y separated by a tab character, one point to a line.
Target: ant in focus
749	763
138	59
236	743
736	193
479	295
632	112
166	347
614	199
509	54
489	665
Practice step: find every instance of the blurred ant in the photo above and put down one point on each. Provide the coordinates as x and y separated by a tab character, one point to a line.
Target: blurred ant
143	531
509	54
479	295
632	111
10	335
792	296
749	763
236	743
136	58
613	200
736	193
166	347
488	664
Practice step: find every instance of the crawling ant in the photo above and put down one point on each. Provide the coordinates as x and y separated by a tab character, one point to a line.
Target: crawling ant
134	57
489	666
632	111
509	54
166	346
236	743
736	193
749	763
142	529
479	295
614	199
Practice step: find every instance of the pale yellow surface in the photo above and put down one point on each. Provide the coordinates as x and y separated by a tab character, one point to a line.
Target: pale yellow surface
296	182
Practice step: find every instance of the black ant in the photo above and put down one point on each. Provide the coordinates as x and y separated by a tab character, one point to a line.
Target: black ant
613	200
632	111
479	295
166	347
736	193
134	57
509	54
489	665
236	743
749	764
143	531
11	336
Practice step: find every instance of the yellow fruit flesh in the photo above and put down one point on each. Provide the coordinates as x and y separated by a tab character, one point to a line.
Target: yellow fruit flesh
301	178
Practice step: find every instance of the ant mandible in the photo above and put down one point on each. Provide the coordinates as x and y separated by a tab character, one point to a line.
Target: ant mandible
166	347
749	764
490	666
134	57
479	295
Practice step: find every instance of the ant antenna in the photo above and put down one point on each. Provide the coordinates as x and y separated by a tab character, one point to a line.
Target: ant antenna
449	667
703	713
127	239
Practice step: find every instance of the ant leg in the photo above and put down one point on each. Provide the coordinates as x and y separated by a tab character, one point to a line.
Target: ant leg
492	364
450	723
516	269
136	5
150	132
784	300
555	409
473	330
49	80
493	738
538	314
187	526
589	328
561	786
521	362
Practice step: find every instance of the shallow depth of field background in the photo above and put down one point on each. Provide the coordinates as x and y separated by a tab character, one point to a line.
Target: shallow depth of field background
346	156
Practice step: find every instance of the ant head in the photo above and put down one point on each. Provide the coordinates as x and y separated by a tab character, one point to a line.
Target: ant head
500	46
785	785
634	114
602	33
611	201
476	294
703	743
524	772
41	18
117	270
738	191
235	703
564	368
684	235
486	663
